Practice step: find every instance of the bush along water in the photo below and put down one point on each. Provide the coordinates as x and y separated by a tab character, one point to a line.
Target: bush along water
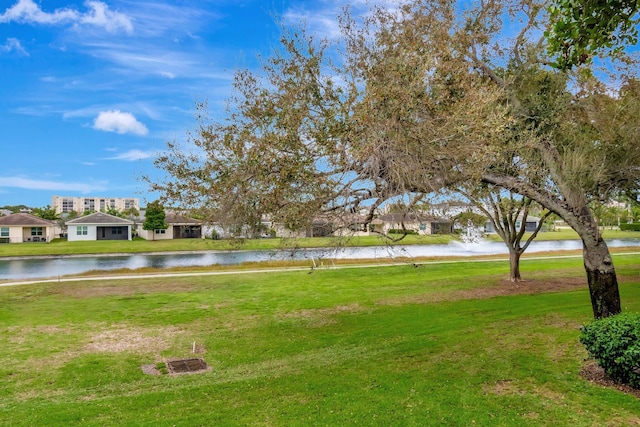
614	343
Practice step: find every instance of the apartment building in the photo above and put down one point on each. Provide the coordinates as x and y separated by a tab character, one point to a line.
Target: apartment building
99	204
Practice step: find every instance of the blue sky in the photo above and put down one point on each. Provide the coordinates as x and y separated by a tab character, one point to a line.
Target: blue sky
91	90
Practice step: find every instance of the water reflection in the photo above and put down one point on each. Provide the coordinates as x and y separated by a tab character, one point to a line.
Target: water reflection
58	266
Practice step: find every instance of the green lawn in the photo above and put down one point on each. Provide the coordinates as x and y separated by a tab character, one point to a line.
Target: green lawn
393	346
60	247
566	233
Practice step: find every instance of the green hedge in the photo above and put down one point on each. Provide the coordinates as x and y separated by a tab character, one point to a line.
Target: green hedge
401	231
614	342
630	227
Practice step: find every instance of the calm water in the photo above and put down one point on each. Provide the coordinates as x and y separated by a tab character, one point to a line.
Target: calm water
59	266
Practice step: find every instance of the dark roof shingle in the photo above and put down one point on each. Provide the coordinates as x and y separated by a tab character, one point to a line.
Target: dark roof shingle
100	218
25	220
176	218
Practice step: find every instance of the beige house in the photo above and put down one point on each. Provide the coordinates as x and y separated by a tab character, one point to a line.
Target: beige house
412	223
180	227
99	226
24	227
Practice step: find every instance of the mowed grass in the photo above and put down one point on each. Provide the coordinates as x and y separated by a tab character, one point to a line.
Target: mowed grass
440	344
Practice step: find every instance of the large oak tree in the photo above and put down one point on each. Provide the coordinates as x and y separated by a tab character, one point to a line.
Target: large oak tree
432	94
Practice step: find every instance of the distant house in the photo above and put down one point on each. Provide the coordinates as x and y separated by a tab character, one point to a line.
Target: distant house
451	209
99	226
412	222
180	227
24	227
530	225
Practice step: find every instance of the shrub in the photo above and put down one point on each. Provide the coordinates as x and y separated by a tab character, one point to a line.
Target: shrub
630	227
401	231
614	342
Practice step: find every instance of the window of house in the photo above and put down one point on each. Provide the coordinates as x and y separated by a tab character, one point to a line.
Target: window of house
161	231
36	231
4	232
116	230
82	230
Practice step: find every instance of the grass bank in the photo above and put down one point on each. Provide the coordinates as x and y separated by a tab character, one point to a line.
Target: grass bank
61	247
442	344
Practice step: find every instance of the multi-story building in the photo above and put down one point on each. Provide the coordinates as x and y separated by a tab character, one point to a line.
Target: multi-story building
99	204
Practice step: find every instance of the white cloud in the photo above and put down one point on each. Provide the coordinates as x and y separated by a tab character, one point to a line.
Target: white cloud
35	184
28	11
320	18
99	15
13	44
117	121
132	155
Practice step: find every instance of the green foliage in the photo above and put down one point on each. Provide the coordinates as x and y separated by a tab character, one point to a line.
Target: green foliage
401	231
71	215
476	219
15	208
614	342
116	212
154	217
630	227
162	368
46	212
581	29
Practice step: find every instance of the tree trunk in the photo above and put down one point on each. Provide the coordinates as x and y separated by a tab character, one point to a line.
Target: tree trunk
514	265
601	276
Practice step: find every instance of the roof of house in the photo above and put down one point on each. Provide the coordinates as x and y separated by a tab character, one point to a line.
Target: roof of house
99	218
25	220
176	218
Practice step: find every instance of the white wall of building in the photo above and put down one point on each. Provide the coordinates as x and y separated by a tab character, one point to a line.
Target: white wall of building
73	236
81	204
15	235
156	234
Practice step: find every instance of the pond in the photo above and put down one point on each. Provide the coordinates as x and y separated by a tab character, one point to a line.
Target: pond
41	267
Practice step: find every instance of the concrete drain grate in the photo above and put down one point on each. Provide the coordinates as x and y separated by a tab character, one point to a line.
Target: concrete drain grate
186	365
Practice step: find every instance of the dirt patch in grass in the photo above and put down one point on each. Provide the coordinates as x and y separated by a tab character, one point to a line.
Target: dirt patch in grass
324	316
504	388
532	286
93	291
501	288
595	374
20	335
526	287
119	339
